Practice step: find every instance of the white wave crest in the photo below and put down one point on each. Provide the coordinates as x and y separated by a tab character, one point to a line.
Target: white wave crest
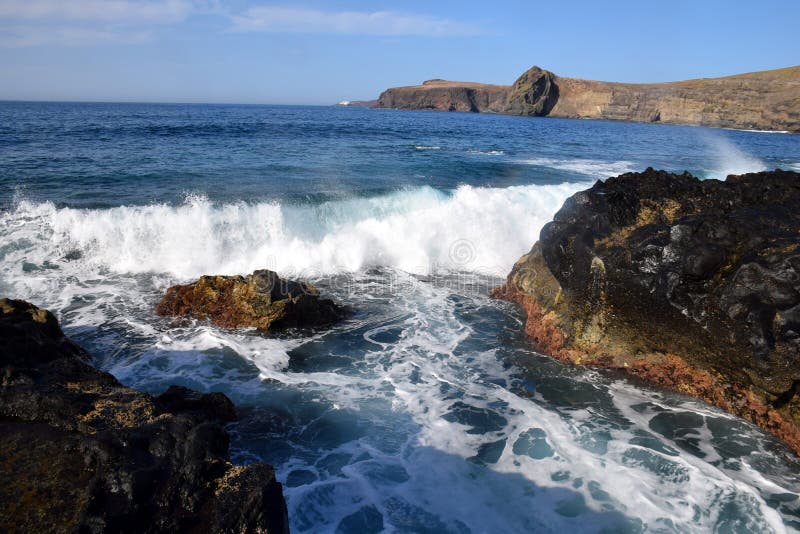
416	230
487	152
589	167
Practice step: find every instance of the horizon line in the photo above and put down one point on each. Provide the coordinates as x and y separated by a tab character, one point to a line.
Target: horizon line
161	102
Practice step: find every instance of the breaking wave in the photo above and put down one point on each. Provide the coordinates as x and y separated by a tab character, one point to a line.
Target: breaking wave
417	230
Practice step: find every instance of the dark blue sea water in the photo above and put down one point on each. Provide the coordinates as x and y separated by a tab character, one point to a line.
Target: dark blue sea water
426	411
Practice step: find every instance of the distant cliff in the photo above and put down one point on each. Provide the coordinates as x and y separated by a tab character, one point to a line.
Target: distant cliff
766	100
443	95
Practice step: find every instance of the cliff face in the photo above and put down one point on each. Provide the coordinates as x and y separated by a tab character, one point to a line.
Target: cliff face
79	452
535	93
767	100
691	285
442	95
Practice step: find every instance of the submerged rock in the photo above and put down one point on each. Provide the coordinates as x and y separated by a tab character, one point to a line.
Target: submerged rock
262	300
692	285
81	452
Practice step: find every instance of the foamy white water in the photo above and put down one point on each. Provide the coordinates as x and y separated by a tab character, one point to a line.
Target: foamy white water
416	230
411	416
595	168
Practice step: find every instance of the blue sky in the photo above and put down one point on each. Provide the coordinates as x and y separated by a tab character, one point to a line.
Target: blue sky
314	52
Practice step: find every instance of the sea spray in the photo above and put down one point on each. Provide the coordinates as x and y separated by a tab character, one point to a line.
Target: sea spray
417	230
728	158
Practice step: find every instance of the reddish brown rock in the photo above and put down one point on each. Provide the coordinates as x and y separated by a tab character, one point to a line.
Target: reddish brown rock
261	300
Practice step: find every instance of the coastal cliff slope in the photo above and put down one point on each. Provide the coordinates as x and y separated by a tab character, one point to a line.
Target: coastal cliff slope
442	95
687	284
79	452
765	100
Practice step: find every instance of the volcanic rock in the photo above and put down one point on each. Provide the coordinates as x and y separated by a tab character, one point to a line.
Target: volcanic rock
261	300
79	452
693	285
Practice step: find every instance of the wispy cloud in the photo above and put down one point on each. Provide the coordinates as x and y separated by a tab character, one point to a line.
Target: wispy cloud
27	36
279	19
27	23
127	11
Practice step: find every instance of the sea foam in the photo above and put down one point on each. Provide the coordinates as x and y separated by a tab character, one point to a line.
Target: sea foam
588	167
417	230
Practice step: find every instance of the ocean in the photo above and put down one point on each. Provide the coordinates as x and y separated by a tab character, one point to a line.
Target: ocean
427	410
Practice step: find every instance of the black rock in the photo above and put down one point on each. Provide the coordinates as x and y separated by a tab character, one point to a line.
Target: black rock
79	452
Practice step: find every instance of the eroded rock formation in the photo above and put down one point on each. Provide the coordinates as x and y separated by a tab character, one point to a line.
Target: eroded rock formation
766	100
79	452
535	93
261	300
692	285
442	95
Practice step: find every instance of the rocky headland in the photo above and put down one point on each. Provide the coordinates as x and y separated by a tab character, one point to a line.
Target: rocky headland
687	284
79	452
443	95
261	300
765	100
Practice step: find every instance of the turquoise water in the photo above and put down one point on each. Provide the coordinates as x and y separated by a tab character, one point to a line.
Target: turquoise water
426	411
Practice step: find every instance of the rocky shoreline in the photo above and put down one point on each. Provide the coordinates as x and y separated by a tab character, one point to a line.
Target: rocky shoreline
765	100
686	284
79	452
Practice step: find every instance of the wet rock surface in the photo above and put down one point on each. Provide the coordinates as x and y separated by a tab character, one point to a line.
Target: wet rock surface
81	452
262	300
693	285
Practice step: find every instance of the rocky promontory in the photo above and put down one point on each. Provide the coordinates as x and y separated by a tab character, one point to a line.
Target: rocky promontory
262	300
687	284
443	95
79	452
765	100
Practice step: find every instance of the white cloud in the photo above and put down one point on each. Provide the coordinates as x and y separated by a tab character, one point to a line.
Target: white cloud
27	23
300	20
123	11
27	36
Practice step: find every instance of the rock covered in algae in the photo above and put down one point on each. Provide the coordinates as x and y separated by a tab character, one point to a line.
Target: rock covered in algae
262	300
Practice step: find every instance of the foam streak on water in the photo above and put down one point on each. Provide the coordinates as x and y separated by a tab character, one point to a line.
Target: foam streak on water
594	168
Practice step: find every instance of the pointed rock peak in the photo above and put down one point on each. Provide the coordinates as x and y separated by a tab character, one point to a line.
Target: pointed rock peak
534	93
